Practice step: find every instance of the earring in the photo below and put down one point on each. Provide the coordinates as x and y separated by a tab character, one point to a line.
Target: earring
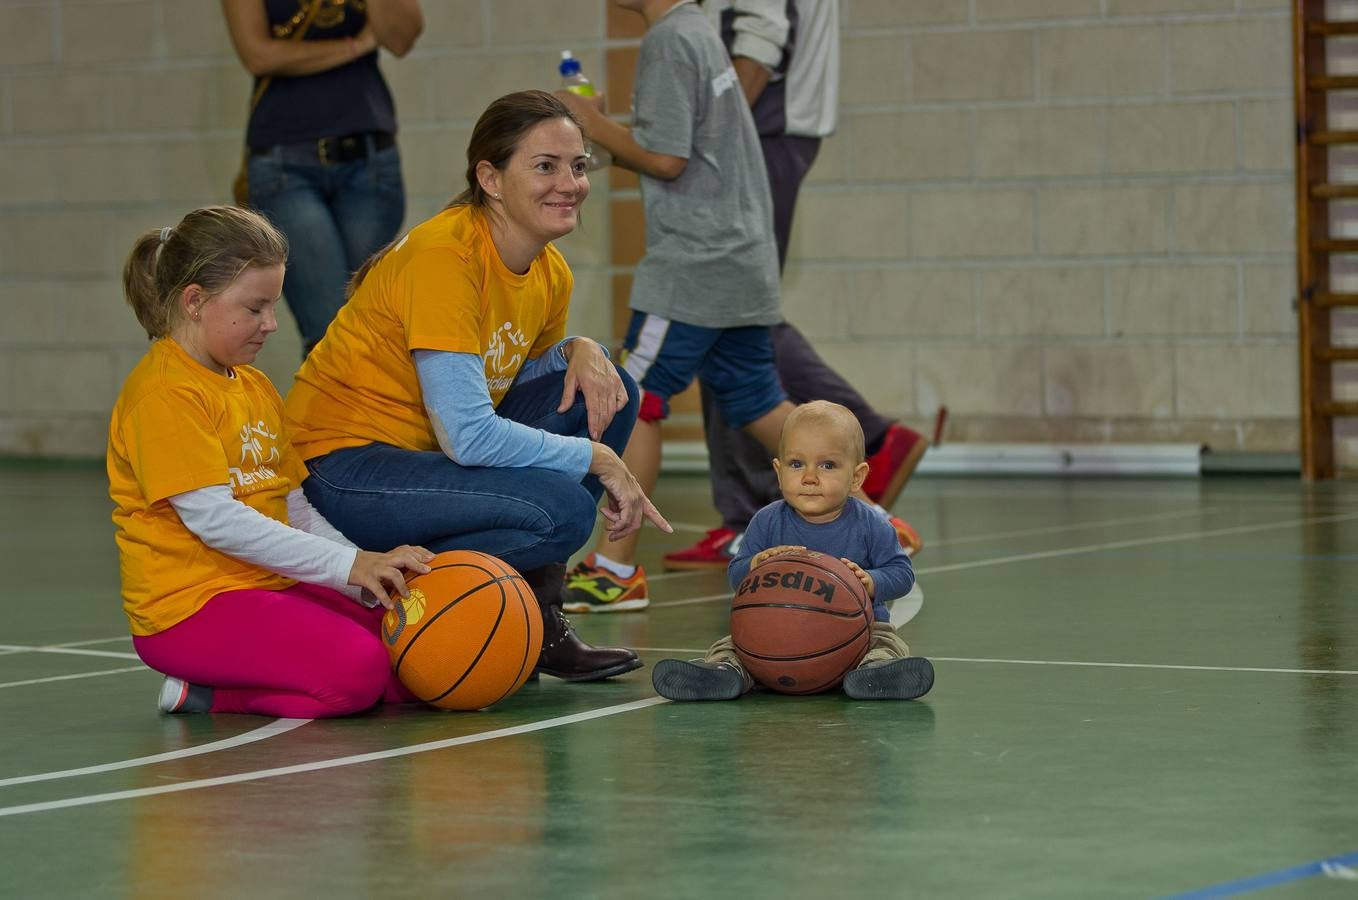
496	196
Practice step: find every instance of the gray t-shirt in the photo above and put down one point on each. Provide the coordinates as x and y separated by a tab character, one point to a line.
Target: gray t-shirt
710	256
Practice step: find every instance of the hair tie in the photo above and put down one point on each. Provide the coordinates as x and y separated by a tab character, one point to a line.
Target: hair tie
165	233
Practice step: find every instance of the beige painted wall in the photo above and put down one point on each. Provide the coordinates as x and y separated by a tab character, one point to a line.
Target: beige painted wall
1064	219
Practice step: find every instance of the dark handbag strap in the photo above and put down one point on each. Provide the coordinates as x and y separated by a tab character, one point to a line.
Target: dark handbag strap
312	8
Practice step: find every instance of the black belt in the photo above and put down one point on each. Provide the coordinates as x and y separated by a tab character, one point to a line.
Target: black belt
342	149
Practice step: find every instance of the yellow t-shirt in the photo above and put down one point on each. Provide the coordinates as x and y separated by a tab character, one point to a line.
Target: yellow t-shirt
443	287
176	427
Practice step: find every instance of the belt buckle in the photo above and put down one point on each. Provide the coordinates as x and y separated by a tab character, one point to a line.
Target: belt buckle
320	151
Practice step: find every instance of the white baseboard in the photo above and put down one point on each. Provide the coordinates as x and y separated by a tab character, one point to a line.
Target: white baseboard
1063	459
1012	459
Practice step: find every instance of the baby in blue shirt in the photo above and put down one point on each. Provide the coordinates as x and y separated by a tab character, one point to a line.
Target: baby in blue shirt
820	464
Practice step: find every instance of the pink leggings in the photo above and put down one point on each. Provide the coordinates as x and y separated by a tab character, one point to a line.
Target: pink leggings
306	652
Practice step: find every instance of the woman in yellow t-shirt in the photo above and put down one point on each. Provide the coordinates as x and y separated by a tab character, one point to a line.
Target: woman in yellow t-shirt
446	406
236	588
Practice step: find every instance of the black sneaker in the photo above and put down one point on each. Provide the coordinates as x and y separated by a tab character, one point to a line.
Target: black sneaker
680	679
891	679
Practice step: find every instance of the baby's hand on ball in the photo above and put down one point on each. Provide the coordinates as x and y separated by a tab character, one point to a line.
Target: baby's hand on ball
862	574
764	556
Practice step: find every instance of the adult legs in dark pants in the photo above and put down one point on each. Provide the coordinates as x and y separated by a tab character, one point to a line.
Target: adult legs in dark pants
742	478
335	215
533	519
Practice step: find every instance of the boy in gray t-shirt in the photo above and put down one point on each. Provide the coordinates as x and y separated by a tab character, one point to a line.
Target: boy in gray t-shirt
706	290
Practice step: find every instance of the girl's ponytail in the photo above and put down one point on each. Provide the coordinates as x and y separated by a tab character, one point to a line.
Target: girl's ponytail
210	247
139	284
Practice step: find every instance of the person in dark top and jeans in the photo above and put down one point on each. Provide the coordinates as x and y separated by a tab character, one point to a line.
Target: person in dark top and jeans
323	162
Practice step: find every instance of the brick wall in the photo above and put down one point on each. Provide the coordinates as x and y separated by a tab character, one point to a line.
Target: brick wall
1065	219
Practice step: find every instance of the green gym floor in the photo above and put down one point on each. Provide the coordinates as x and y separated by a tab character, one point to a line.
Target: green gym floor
1145	688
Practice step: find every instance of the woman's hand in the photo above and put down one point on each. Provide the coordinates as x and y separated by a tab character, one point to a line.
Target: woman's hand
863	576
627	503
379	574
765	555
589	372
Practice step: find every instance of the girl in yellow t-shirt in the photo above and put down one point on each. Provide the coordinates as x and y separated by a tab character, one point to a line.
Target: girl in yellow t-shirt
446	406
236	588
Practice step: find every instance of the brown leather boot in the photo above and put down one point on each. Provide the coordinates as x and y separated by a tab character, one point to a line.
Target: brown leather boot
564	655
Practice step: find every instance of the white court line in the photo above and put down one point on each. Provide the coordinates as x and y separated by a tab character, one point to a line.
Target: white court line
1065	551
10	684
20	648
1036	490
26	649
1075	551
689	601
640	704
903	609
1243	502
666	576
691	651
928	570
337	762
1134	542
1116	665
123	637
1055	529
276	727
689	526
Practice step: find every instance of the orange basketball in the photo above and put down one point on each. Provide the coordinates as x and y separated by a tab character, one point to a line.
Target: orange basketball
468	635
800	622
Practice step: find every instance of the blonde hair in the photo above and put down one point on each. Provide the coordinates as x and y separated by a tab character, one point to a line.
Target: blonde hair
825	414
209	247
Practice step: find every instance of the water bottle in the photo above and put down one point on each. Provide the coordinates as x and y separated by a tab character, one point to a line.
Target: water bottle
573	80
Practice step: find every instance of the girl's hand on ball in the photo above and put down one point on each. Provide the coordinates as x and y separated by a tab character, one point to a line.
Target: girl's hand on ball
380	574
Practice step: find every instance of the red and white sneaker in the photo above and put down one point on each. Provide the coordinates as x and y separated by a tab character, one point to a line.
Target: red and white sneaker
907	535
893	464
712	552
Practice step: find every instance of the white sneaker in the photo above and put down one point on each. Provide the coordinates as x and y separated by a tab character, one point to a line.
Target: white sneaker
178	696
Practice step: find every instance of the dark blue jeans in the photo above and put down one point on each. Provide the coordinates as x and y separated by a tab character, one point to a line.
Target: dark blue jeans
381	496
335	216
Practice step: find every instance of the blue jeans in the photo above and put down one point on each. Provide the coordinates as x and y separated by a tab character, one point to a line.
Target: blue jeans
335	216
381	496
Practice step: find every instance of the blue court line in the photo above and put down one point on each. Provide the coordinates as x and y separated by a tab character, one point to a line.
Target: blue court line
1268	879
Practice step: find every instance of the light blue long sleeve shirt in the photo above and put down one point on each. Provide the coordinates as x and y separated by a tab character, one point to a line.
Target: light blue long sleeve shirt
468	428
